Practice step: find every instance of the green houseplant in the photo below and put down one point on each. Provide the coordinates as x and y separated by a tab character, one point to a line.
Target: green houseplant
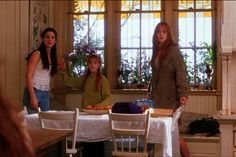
202	71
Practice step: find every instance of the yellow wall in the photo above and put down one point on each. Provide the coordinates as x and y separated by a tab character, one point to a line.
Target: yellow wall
13	47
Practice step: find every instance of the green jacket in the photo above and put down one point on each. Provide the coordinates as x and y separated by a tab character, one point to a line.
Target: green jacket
90	96
169	81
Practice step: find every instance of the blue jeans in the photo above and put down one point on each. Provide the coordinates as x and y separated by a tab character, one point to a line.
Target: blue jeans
41	96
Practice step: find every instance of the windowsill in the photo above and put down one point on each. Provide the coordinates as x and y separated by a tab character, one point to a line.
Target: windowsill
133	91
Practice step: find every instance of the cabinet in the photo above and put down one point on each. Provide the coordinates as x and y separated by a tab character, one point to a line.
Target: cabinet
200	145
227	134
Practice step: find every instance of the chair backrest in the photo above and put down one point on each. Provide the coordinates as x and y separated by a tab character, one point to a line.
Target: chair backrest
69	118
22	115
129	133
176	117
23	112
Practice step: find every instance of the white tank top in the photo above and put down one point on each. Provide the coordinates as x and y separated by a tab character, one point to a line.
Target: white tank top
41	77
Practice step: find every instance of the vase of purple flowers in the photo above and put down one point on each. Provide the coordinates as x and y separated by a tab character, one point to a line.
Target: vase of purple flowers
77	59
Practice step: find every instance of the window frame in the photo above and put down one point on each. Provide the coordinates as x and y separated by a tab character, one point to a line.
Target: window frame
214	33
139	48
169	14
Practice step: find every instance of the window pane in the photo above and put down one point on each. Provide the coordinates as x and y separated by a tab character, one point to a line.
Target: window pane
186	4
97	6
203	4
130	30
96	28
81	6
93	34
146	72
88	34
129	65
135	68
151	5
128	5
203	31
204	64
186	29
137	29
80	24
188	55
149	21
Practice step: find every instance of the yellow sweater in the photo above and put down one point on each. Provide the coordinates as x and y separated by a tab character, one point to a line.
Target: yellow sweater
90	96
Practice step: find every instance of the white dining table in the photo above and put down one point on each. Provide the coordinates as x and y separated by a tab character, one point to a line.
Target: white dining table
94	128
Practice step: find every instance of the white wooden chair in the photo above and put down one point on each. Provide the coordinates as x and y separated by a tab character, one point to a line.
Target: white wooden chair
129	134
23	112
71	117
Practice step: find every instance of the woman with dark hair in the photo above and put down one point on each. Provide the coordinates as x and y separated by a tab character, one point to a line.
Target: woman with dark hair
41	66
169	86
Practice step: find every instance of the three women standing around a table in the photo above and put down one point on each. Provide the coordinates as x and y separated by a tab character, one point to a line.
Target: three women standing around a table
41	66
169	86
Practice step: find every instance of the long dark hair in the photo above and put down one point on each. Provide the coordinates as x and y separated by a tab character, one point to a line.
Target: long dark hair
43	53
164	48
98	74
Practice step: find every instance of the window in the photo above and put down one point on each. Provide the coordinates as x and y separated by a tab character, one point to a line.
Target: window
195	19
137	22
128	26
88	24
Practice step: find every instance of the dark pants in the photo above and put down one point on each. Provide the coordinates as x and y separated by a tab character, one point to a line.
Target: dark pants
93	149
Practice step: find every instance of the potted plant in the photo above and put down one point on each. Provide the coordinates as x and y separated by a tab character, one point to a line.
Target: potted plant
207	65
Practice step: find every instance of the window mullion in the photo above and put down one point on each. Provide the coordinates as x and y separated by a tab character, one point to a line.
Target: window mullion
140	46
195	50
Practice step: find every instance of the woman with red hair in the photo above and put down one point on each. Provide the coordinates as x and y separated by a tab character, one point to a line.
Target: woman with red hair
169	86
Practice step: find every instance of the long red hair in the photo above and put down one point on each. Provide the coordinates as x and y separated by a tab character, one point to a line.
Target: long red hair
164	48
98	74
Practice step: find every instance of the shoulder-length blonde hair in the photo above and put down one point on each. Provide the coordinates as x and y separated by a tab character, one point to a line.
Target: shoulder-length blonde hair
164	48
